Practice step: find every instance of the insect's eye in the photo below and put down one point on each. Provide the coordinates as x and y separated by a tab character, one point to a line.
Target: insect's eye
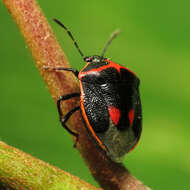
87	59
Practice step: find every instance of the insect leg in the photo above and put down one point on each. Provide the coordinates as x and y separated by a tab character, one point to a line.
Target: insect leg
64	119
63	98
74	71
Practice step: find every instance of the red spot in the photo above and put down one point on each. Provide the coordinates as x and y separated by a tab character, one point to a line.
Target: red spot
131	116
114	114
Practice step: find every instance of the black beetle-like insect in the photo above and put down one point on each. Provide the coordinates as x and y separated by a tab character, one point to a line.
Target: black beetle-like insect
109	102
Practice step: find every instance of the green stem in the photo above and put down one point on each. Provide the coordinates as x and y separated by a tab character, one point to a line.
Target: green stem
20	171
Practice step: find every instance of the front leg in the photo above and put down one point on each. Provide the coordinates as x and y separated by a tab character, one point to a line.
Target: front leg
74	71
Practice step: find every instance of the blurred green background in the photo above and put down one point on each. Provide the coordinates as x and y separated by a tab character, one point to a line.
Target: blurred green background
154	42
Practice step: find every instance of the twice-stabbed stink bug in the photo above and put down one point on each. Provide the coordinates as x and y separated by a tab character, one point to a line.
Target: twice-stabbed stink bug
109	102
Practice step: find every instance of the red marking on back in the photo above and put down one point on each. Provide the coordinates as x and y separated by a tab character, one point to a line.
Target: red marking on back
96	70
118	67
131	116
114	114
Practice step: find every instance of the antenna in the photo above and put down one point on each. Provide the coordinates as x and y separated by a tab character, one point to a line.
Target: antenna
71	36
112	36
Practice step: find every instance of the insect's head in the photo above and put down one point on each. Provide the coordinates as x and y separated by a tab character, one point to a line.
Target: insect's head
94	59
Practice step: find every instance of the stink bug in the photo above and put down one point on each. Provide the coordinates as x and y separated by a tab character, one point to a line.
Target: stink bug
109	102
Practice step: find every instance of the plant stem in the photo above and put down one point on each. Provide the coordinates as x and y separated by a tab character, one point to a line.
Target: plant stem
20	171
